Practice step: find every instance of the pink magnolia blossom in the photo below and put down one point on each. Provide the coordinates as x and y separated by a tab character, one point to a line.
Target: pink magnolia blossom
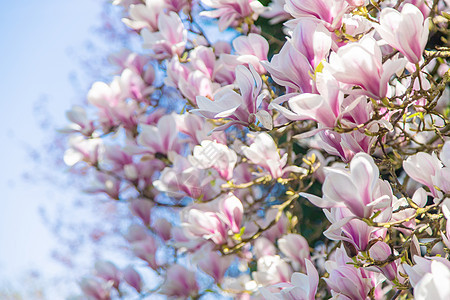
142	209
162	228
241	109
198	129
183	179
230	12
108	271
264	152
345	227
424	168
291	68
301	287
431	285
107	184
95	289
359	189
110	99
296	248
313	40
215	265
81	149
146	250
251	49
330	12
264	247
196	84
133	278
136	233
125	59
446	212
232	212
214	155
272	270
205	224
324	109
357	2
133	85
80	122
180	283
406	30
171	38
423	5
276	12
144	15
162	138
427	276
347	280
279	229
177	5
381	251
361	64
345	145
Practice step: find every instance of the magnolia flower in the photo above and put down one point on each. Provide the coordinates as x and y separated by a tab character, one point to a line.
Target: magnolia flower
276	12
162	228
271	270
204	224
425	169
146	250
344	227
144	15
80	122
301	287
313	40
162	138
361	64
183	179
251	49
95	289
133	85
142	208
427	276
171	38
107	184
136	233
108	271
264	247
345	145
215	265
291	68
406	30
434	284
177	5
232	211
381	251
81	149
296	248
326	109
214	155
180	283
230	12
132	278
241	109
359	189
263	152
345	279
330	12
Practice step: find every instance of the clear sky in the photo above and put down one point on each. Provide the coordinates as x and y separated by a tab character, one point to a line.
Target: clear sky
38	53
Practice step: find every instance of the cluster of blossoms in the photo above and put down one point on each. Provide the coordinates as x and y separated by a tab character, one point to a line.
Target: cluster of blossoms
309	160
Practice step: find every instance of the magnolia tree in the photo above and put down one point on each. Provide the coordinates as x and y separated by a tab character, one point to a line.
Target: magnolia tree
295	149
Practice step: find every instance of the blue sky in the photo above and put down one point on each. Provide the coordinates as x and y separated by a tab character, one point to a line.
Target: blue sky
40	40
